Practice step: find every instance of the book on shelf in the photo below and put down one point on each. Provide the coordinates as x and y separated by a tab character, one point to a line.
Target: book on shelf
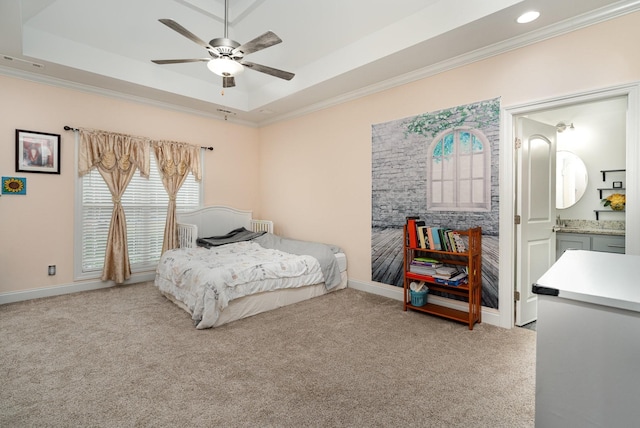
447	270
443	245
422	270
460	245
426	261
435	232
461	278
429	238
448	275
411	231
444	238
422	237
452	242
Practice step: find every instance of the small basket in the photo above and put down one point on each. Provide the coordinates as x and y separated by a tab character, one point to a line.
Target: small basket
419	298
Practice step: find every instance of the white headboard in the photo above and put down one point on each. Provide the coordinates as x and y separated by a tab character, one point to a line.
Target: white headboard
216	220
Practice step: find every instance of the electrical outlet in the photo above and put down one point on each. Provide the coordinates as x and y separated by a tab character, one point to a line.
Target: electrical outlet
52	269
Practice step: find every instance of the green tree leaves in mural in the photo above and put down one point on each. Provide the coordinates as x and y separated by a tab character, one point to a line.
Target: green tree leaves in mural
478	115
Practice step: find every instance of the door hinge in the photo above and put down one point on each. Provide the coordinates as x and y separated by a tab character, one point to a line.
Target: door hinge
518	143
516	219
516	296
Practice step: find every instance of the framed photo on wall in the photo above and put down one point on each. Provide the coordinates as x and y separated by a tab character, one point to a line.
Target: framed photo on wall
37	152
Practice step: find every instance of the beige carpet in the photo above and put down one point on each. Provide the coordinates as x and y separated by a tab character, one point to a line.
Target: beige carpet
126	357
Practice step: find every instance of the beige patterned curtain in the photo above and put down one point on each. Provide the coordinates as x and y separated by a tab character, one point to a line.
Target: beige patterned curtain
175	160
117	157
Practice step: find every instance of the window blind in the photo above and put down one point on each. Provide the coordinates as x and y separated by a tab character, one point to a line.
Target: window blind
145	205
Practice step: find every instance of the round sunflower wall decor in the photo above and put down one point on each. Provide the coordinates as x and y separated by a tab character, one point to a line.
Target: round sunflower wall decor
14	186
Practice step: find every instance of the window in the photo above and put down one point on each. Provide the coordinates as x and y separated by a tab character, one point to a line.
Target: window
459	172
145	204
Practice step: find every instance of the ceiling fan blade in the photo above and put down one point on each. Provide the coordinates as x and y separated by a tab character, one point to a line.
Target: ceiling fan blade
186	33
261	42
268	70
228	82
178	61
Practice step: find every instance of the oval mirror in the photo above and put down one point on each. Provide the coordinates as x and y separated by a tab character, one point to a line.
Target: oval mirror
571	179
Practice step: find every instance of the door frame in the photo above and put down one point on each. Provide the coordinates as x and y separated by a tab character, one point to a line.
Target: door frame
508	247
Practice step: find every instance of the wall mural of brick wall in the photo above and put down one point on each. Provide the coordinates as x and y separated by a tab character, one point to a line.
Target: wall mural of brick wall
403	153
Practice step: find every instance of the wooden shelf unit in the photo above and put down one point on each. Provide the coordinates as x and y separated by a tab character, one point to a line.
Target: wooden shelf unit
471	292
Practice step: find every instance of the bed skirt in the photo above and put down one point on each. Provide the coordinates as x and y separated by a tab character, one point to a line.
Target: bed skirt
266	301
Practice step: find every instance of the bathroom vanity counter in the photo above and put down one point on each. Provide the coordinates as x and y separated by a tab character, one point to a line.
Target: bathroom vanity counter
605	236
591	231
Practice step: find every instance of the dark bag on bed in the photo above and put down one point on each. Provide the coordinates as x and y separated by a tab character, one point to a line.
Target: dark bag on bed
237	235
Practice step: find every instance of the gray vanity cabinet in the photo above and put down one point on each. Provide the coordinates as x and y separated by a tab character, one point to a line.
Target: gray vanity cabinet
607	243
588	241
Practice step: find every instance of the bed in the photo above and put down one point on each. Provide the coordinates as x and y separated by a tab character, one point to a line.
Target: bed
230	266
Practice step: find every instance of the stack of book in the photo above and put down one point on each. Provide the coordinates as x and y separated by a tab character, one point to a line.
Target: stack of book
450	275
424	266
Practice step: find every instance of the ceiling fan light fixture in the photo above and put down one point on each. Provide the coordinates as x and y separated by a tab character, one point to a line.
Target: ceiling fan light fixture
225	67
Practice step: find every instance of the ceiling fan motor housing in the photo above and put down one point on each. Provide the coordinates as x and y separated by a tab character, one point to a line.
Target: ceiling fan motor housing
225	47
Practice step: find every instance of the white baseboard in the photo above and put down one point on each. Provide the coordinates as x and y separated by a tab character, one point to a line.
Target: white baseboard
489	315
37	293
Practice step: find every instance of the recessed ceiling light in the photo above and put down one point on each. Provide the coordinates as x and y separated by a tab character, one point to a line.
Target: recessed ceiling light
528	17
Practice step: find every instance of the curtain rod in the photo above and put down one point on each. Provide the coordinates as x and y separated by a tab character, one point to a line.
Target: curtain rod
68	128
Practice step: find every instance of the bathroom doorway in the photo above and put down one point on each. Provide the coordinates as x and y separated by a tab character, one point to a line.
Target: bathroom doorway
601	121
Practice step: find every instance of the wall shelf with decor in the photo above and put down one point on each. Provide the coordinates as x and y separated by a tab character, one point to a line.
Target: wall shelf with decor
606	171
469	289
616	187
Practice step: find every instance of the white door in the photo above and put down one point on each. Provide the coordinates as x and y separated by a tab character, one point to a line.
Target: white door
536	205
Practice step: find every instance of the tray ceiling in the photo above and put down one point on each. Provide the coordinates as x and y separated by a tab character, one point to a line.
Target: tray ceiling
335	48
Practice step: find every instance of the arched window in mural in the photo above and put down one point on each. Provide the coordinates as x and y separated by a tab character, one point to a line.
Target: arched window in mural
459	171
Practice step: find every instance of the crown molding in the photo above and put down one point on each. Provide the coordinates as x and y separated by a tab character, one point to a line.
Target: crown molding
67	84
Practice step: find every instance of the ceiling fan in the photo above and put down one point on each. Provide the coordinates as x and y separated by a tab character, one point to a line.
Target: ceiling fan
226	55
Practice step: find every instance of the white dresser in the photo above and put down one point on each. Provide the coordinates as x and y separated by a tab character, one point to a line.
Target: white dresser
588	341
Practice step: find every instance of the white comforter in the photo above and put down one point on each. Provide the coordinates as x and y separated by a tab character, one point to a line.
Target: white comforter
206	280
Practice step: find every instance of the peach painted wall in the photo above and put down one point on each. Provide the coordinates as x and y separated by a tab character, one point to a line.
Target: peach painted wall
36	230
316	181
